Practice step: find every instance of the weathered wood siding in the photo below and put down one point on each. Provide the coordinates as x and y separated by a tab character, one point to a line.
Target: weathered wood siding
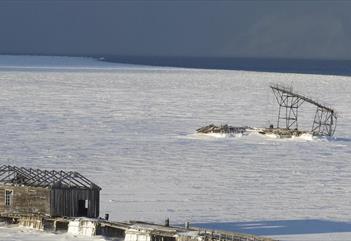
64	202
25	200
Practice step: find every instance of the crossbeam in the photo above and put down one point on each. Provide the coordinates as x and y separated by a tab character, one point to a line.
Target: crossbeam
44	178
324	123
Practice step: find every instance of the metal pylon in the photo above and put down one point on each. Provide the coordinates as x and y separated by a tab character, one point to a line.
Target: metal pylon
288	109
324	122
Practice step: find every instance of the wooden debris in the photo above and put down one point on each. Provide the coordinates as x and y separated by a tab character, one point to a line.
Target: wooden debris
282	132
223	129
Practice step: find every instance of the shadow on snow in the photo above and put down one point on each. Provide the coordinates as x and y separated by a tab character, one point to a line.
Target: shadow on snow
280	227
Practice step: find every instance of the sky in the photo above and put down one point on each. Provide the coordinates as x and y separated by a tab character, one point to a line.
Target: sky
310	29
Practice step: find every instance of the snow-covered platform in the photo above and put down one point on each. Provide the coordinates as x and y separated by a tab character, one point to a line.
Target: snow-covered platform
129	231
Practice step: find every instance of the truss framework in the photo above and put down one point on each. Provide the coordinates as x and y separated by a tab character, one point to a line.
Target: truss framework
44	178
324	123
291	103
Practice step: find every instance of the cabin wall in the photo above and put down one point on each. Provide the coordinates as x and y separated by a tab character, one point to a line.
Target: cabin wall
64	202
25	200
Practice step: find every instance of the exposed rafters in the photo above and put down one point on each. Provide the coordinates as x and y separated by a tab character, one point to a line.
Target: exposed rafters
44	178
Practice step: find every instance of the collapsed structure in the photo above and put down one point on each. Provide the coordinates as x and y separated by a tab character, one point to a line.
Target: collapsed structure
324	122
28	191
52	201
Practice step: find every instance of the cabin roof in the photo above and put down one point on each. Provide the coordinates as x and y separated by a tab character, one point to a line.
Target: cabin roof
44	178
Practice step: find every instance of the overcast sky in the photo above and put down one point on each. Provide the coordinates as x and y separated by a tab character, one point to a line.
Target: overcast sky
280	29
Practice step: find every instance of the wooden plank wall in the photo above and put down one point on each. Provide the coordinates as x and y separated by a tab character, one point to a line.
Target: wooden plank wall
26	200
64	202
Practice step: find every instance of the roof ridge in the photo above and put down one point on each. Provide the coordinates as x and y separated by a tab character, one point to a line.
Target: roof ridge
44	178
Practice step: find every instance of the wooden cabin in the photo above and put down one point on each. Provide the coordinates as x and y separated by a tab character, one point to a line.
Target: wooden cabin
27	191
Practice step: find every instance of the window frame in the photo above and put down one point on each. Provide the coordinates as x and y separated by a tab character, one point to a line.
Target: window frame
8	197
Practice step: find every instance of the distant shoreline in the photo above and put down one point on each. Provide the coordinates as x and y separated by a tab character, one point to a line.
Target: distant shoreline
300	66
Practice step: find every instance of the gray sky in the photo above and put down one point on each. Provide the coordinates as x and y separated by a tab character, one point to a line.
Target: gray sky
283	29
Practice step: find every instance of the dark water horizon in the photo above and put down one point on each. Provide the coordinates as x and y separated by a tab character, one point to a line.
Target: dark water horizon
303	66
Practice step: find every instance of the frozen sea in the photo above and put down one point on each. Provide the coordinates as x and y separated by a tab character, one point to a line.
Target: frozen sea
131	129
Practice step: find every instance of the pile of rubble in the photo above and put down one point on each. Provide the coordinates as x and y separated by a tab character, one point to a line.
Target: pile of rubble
282	132
223	129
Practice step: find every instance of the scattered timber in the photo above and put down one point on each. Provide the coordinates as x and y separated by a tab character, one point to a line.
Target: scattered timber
281	132
223	129
289	102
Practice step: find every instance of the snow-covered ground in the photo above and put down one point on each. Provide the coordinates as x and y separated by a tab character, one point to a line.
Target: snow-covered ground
131	129
13	233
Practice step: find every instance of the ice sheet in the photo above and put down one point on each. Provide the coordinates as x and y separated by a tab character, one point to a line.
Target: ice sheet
124	128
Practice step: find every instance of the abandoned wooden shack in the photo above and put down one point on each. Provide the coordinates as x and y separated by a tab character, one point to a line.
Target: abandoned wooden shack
27	192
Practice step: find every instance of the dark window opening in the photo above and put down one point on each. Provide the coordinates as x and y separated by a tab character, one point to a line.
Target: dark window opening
83	208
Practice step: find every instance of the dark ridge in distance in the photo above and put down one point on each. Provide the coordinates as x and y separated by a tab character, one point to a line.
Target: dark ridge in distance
304	66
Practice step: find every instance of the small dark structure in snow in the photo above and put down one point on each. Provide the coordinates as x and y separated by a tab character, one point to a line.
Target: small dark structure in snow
223	129
324	122
27	191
